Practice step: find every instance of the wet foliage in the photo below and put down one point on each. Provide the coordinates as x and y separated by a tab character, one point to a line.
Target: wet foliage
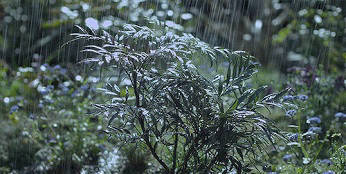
43	121
188	122
316	131
141	86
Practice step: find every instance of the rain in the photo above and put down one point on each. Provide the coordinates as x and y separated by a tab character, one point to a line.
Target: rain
172	86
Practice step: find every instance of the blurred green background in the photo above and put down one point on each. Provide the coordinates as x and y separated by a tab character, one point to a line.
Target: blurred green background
280	33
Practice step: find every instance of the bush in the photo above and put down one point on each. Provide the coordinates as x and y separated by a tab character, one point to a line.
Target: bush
160	100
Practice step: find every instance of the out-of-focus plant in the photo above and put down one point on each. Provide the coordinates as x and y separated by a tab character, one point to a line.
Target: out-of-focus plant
43	118
317	130
312	33
36	29
278	32
160	100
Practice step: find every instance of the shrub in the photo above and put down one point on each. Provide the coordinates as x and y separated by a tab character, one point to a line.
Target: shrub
160	100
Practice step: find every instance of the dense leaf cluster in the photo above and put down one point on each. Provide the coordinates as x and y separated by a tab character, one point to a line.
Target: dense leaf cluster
188	122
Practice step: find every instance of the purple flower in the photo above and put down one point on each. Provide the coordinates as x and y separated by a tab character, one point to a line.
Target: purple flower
44	91
287	157
64	88
329	172
315	129
45	67
293	137
303	97
84	87
288	98
63	71
291	113
50	87
57	67
326	161
340	115
32	116
309	135
52	140
14	108
48	100
313	120
40	105
75	93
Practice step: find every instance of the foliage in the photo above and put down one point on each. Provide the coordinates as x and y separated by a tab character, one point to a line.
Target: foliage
189	123
47	23
280	33
317	131
43	117
307	31
313	33
207	109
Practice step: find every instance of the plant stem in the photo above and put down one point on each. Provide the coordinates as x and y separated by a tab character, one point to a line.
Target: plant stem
300	140
141	122
175	150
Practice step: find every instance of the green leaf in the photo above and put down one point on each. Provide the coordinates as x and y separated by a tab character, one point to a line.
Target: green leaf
219	90
106	91
240	152
280	94
228	76
244	96
233	107
112	118
253	97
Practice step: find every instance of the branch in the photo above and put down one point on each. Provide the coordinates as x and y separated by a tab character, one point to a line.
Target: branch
141	122
175	150
188	154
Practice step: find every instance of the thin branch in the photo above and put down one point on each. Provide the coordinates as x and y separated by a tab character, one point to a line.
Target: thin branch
141	122
175	149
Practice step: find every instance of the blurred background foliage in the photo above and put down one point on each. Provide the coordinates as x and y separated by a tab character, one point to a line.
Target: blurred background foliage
278	32
45	96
